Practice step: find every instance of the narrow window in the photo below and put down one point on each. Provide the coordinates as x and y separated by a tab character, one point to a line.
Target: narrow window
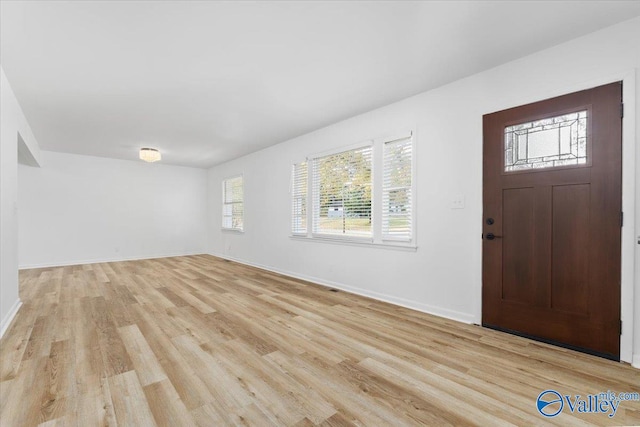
233	204
397	197
299	198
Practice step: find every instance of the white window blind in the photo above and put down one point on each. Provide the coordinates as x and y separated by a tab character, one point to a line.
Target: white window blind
397	200
342	194
299	198
233	203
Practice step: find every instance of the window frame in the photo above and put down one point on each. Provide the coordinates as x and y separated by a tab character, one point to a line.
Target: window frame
224	204
377	171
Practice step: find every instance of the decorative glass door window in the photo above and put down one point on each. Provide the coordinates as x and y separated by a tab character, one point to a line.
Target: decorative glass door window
547	143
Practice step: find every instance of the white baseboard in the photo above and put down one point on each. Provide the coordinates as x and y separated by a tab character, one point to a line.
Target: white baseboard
8	318
425	308
636	361
101	260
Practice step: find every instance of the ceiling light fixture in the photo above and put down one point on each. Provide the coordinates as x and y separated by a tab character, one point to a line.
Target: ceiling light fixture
150	155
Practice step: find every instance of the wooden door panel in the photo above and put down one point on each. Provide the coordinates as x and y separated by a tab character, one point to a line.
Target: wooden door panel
554	271
518	272
554	327
570	253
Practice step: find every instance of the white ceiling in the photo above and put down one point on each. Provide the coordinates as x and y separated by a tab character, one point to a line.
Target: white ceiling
206	82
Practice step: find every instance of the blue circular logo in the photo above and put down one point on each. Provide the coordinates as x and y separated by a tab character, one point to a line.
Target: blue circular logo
549	403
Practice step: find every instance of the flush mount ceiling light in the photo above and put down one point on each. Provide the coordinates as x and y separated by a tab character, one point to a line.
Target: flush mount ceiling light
150	155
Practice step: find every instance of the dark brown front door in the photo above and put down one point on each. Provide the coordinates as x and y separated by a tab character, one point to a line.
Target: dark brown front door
551	223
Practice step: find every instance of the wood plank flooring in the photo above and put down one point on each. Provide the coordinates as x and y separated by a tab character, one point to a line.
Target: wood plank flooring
199	341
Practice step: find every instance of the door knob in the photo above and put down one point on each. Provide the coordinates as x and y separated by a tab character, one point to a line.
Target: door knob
491	236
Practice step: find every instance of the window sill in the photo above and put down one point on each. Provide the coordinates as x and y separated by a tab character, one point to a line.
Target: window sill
232	230
396	246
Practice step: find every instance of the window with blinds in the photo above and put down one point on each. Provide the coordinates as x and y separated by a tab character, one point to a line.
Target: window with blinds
341	196
232	203
341	190
299	198
397	197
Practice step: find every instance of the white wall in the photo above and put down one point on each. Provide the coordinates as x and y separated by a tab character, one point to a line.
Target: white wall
444	275
80	209
13	127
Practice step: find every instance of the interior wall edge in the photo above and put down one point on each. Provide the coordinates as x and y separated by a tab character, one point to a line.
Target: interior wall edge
27	155
457	316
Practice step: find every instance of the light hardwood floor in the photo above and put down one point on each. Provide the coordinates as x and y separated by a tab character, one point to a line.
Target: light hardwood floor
201	341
